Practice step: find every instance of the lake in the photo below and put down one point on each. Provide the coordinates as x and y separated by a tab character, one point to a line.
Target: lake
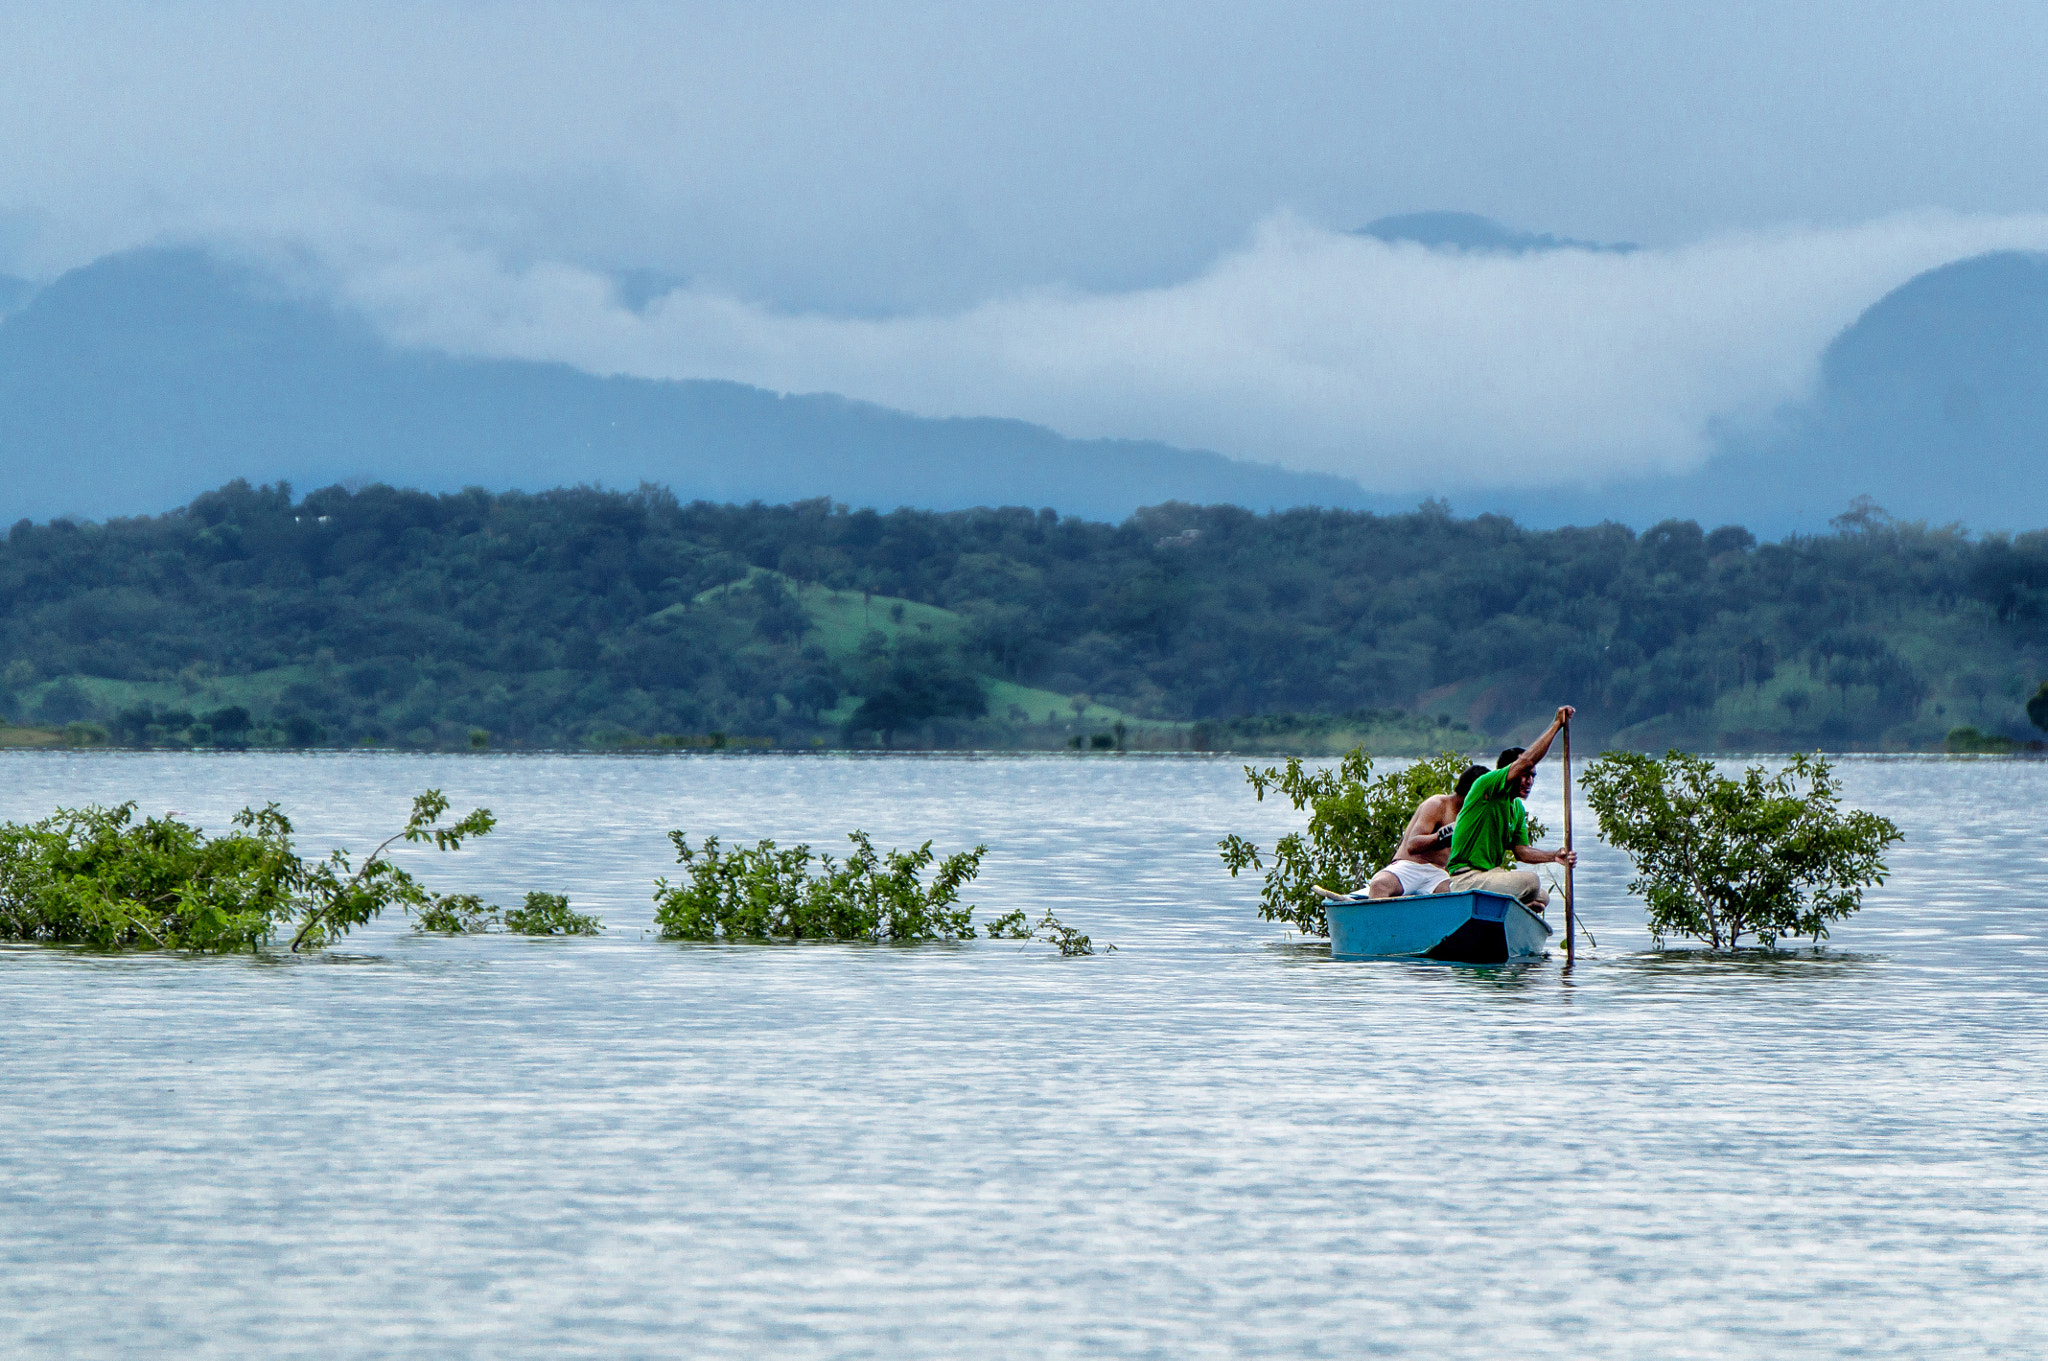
1213	1142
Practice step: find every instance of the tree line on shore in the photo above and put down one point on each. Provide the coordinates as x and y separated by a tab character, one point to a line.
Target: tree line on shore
580	616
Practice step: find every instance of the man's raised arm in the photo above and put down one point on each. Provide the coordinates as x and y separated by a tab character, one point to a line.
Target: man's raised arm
1533	757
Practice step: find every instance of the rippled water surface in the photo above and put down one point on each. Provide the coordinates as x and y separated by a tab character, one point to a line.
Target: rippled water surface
1213	1142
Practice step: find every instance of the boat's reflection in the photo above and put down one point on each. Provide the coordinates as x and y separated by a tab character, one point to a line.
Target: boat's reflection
1512	976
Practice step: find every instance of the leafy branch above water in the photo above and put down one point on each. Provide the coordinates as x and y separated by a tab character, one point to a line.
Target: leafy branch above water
339	898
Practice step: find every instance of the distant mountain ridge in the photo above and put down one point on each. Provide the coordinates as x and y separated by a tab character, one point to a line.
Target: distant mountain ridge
1933	403
134	383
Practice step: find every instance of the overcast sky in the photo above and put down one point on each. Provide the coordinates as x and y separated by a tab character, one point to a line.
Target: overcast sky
1118	219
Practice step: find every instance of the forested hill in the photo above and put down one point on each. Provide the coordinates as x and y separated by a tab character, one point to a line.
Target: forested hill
580	616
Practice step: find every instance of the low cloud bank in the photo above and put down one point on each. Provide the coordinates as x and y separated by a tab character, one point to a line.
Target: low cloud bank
1403	367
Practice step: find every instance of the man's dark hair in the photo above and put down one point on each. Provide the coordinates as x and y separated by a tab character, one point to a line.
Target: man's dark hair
1507	758
1465	781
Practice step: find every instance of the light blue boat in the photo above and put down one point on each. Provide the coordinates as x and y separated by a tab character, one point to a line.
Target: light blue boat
1468	928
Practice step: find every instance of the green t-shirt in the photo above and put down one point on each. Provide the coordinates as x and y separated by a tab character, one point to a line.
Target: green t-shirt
1492	823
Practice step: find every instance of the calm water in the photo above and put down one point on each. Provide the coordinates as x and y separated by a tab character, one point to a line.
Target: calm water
1213	1142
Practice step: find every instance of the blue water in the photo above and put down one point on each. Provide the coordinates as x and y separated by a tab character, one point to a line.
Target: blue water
1212	1142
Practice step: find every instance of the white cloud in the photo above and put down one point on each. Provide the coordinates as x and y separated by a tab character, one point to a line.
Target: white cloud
1406	368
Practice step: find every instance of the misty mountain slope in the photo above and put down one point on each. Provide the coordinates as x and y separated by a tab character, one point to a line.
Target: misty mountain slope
131	384
14	293
1948	372
1934	403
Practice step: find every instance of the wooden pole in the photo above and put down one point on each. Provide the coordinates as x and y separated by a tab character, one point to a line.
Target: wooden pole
1570	939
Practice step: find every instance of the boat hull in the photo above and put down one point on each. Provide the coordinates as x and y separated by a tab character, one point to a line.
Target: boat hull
1466	928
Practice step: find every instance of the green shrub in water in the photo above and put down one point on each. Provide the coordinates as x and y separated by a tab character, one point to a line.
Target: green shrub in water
1061	937
1718	859
1012	925
548	914
771	893
96	876
455	914
465	914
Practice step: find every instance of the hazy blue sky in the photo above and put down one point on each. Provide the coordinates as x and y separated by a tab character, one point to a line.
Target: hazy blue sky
1092	212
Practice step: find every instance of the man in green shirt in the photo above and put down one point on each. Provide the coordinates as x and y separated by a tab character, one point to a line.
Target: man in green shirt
1493	827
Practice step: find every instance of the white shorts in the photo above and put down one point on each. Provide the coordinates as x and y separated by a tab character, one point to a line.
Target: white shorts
1416	877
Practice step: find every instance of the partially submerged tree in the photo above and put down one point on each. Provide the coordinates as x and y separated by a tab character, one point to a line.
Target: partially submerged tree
548	914
1068	941
95	876
1014	925
1354	827
770	893
1719	859
456	914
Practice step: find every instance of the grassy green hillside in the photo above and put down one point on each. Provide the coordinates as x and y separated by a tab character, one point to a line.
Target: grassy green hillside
850	626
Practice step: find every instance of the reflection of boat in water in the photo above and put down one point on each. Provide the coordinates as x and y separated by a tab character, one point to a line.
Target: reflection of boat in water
1468	928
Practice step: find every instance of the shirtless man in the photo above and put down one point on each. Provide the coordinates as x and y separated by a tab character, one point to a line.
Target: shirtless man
1418	867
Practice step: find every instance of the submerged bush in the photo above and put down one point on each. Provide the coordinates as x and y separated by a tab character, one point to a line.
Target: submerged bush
465	914
95	876
1718	859
1012	925
548	914
770	893
1060	936
456	914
